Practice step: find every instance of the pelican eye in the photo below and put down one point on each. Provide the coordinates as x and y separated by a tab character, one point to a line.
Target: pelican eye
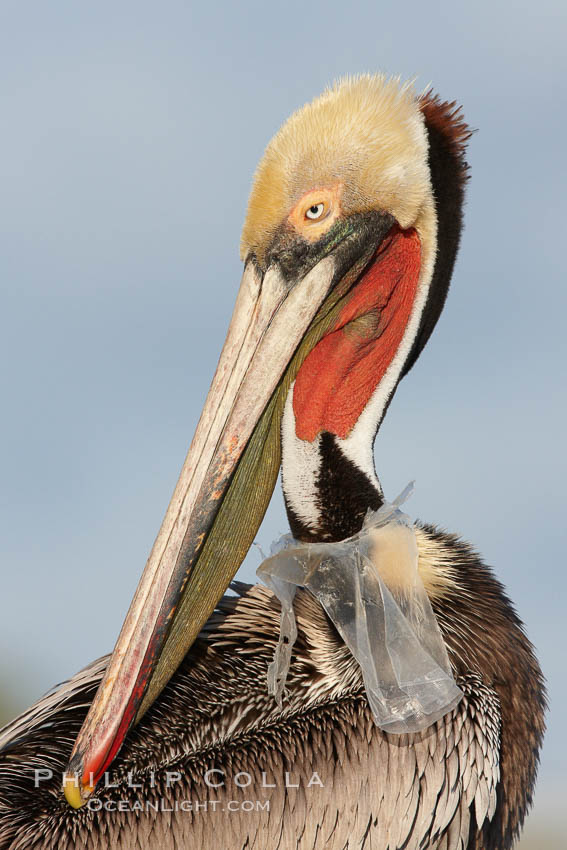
315	211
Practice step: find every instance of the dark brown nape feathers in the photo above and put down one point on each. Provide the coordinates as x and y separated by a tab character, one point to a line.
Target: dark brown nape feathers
448	136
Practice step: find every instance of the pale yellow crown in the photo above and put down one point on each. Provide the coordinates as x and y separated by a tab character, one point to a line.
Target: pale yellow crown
365	135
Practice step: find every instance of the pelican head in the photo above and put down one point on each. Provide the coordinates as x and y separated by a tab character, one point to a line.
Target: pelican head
348	246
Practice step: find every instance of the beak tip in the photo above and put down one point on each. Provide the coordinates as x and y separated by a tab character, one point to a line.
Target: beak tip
76	790
73	794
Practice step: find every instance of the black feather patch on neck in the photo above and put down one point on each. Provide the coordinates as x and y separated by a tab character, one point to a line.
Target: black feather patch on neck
344	495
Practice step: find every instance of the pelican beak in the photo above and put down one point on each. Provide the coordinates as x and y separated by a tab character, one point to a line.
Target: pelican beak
226	481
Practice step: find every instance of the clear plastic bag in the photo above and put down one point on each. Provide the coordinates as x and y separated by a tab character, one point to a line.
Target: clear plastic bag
370	587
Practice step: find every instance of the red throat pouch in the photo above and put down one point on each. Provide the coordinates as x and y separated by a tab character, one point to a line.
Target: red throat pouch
338	377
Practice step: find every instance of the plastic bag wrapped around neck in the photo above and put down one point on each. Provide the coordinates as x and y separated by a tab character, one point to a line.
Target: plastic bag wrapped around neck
370	587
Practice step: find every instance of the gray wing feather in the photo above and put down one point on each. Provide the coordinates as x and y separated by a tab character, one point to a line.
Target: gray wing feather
380	792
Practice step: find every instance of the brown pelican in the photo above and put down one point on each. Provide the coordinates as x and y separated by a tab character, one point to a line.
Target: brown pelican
349	243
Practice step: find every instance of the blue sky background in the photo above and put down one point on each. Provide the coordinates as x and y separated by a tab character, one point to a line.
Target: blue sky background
130	132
